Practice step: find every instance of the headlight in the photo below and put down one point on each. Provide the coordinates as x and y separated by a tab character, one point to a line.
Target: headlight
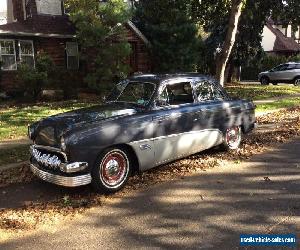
62	144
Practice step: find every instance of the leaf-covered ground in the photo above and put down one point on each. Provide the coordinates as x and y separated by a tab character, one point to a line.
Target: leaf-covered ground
275	128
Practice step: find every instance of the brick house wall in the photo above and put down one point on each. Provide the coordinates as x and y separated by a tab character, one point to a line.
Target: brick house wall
50	34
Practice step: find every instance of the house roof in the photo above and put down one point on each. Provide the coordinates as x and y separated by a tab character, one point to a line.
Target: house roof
283	43
51	26
41	26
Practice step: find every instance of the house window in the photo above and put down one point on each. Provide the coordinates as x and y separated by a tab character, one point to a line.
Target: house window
8	55
49	7
26	52
72	55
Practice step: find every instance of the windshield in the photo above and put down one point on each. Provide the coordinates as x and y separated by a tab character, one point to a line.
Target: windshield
138	93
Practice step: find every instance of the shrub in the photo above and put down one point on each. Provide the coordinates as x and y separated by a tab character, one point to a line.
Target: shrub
33	80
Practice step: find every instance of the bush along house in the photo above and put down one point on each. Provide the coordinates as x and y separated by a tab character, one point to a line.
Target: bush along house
29	27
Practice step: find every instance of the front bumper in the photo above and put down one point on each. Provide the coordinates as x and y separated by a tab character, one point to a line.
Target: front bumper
60	180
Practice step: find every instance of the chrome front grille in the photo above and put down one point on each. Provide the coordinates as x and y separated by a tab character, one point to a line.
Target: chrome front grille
48	157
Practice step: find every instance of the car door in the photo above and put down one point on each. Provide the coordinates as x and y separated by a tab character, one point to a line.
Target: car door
173	121
289	73
278	73
208	119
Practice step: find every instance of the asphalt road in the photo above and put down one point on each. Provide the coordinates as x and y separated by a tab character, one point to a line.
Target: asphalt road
205	211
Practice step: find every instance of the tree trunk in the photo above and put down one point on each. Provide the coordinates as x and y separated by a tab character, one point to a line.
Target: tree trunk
235	13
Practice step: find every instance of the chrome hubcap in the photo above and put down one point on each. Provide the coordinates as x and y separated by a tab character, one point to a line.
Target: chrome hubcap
114	168
233	137
297	82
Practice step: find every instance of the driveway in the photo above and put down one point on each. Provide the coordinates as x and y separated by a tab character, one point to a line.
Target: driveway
204	211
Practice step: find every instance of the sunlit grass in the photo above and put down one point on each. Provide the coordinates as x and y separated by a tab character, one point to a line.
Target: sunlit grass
15	119
284	103
258	92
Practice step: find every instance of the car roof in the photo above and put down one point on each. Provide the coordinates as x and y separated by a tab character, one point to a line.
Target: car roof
292	63
158	78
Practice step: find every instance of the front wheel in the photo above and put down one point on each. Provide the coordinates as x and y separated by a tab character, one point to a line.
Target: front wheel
232	138
111	170
264	80
297	81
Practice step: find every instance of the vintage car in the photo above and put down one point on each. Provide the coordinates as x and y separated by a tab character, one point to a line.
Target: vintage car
148	120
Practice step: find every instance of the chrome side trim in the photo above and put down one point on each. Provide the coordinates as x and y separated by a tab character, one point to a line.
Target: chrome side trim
179	145
65	181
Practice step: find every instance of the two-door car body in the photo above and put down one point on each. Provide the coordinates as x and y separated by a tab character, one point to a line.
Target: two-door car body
148	120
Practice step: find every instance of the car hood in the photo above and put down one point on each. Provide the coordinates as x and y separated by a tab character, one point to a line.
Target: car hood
264	72
61	123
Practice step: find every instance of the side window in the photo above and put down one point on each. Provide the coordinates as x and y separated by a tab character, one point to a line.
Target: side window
204	91
218	93
297	66
281	67
176	94
291	66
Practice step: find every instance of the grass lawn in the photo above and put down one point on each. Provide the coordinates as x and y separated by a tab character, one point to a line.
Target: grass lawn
15	119
258	92
284	103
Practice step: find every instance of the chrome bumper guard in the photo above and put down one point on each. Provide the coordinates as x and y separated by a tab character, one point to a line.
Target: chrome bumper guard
66	181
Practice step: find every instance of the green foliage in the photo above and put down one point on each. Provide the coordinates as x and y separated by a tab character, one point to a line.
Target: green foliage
172	34
102	37
33	80
213	16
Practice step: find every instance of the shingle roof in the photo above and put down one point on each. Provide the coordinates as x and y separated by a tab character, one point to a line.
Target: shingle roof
48	26
283	43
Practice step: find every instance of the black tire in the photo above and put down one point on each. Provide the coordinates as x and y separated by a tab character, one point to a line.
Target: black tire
297	81
265	80
232	138
275	83
111	170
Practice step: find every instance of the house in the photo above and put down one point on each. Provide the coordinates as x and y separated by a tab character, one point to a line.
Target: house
33	26
280	40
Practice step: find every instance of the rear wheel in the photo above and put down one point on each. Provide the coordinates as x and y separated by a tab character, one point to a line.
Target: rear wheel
264	80
111	170
232	138
297	81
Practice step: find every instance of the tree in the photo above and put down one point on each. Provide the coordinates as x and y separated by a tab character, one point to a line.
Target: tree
172	34
102	38
222	59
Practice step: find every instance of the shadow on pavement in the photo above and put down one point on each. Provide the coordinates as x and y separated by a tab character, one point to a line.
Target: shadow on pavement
205	211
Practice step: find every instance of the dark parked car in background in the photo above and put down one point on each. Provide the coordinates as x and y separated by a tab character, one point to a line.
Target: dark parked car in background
148	120
283	73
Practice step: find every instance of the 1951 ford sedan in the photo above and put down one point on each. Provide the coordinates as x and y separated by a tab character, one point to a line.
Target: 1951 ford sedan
148	120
